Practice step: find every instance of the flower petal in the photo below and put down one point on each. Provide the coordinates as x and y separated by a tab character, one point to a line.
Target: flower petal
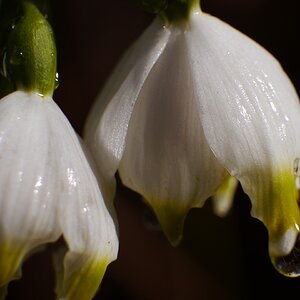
251	119
87	225
27	182
166	158
48	188
107	124
224	195
3	292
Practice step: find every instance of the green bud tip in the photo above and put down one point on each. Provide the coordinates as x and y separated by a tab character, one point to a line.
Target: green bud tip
30	57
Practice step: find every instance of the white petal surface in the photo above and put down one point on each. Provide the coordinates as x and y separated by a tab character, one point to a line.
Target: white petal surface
27	180
48	189
86	224
166	157
107	124
251	119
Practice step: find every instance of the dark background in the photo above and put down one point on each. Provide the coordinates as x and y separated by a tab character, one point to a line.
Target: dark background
219	258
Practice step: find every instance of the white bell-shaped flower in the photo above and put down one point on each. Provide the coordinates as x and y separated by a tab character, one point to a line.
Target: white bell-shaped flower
48	189
191	103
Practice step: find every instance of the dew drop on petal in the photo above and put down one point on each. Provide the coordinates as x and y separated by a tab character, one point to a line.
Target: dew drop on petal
289	265
57	81
14	22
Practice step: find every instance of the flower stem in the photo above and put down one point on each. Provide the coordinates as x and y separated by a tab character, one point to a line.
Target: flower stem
170	10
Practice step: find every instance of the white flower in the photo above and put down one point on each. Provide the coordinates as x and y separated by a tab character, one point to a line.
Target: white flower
190	103
47	190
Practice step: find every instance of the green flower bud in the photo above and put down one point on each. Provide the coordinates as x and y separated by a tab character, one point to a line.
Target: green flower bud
30	58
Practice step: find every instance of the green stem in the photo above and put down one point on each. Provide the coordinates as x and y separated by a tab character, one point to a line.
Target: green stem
180	10
170	10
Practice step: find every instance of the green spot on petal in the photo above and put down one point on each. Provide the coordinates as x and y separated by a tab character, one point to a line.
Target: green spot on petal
10	261
84	282
274	202
171	218
283	210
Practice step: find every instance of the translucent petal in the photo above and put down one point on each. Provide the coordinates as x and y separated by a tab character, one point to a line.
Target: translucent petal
27	181
166	158
107	124
86	223
251	119
224	195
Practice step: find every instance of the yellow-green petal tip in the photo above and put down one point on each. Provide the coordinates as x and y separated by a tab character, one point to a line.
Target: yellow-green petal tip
224	195
171	219
84	282
3	292
10	261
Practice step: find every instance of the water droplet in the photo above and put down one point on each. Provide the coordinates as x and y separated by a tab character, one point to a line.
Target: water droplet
57	82
289	265
15	21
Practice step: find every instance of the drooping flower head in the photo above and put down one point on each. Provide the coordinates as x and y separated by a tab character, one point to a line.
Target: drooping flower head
48	188
193	106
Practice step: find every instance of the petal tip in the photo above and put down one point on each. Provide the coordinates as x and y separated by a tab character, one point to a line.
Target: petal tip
288	264
3	292
171	220
283	244
224	196
10	262
82	277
